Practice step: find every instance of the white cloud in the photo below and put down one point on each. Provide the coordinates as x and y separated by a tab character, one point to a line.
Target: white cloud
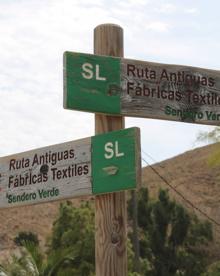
157	26
166	8
138	2
135	4
191	10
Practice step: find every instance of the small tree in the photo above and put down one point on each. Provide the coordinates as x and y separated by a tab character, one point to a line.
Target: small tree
75	230
169	237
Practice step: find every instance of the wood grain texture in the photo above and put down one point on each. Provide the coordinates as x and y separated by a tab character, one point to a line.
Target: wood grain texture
110	216
172	92
108	40
46	174
111	257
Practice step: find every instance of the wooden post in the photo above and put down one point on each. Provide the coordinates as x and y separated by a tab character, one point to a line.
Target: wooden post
111	213
135	239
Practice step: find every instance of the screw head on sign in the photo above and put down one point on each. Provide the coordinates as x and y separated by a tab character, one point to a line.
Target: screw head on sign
44	169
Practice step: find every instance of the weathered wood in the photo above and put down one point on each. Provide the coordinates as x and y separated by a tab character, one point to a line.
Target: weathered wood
46	174
170	92
142	89
71	169
135	236
110	215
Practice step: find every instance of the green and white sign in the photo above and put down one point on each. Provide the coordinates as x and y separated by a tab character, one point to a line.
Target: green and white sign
99	164
91	83
127	87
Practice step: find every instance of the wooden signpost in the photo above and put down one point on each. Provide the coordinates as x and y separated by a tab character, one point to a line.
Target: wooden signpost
113	87
110	209
120	86
99	164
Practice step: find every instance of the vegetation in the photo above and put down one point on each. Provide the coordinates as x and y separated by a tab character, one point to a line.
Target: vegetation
212	136
74	230
170	239
213	270
24	237
171	242
71	247
31	262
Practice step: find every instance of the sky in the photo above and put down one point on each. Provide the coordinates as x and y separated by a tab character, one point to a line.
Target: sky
34	35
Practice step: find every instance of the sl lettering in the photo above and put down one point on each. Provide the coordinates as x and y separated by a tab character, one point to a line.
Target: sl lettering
91	72
112	150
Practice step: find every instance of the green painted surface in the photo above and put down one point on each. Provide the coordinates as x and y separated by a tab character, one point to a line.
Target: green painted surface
115	161
91	83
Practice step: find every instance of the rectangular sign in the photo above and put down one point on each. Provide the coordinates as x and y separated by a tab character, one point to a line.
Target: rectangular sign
127	87
100	164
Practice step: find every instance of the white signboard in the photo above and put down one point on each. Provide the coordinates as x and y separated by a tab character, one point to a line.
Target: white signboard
84	167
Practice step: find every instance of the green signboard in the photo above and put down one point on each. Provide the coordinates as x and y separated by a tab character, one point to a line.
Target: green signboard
85	86
100	164
115	161
127	87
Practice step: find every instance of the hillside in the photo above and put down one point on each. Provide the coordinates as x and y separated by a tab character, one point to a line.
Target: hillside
193	176
197	180
190	173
